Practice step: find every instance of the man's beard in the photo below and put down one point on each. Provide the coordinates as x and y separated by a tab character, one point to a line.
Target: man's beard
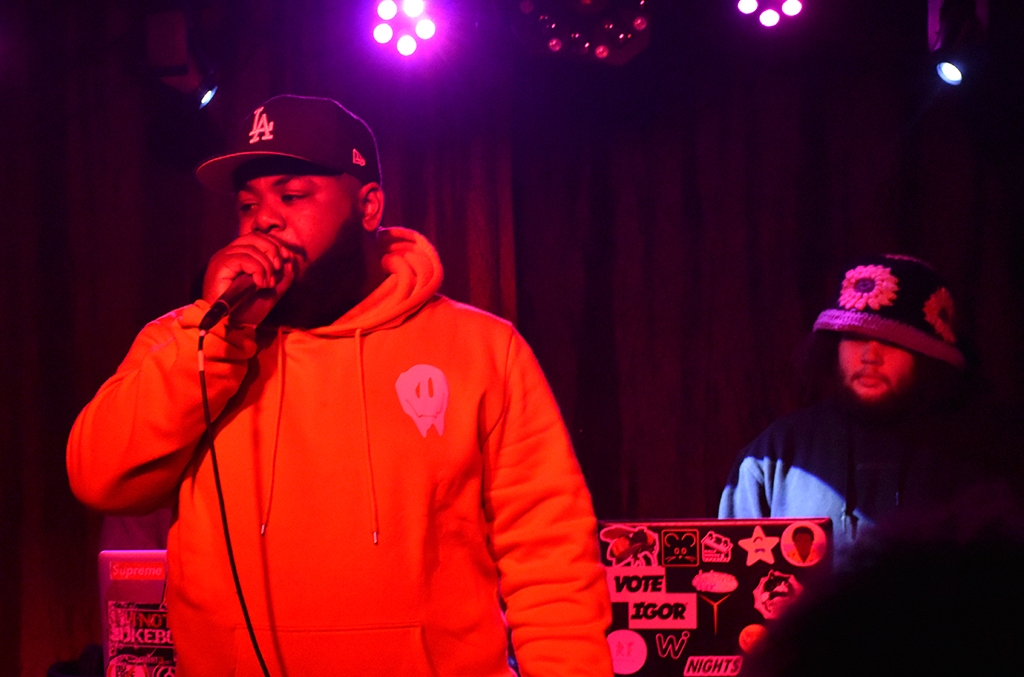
329	287
890	406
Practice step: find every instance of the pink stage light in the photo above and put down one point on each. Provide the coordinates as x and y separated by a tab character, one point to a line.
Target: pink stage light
387	10
413	8
406	45
769	18
383	33
770	12
406	27
425	29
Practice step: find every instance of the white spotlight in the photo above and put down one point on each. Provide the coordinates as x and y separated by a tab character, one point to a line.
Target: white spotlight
747	6
383	33
406	45
425	28
413	8
387	10
769	18
208	96
791	7
949	73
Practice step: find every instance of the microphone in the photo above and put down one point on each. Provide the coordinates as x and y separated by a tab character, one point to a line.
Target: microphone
240	289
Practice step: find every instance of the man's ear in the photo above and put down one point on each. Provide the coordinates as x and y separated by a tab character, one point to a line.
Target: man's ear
371	202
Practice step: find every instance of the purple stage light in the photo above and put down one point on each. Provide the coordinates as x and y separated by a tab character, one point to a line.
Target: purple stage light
387	10
383	33
407	27
425	28
413	8
769	18
406	45
770	12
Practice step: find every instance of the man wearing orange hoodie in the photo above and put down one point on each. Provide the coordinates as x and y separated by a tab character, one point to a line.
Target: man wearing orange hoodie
384	457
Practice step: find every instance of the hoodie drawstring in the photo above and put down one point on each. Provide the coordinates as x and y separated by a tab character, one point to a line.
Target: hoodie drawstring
265	517
374	512
374	508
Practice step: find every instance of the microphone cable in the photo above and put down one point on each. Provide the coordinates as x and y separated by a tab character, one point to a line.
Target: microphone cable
220	500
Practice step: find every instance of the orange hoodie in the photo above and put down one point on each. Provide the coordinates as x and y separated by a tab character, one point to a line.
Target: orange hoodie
380	475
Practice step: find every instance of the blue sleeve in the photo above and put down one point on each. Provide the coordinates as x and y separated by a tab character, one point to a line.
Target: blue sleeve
747	492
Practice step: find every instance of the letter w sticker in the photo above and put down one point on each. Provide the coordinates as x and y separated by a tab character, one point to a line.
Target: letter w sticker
423	392
670	645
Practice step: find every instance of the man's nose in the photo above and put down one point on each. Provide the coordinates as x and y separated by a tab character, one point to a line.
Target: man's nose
871	353
267	219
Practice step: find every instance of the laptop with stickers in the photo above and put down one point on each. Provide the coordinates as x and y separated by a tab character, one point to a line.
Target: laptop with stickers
136	639
691	597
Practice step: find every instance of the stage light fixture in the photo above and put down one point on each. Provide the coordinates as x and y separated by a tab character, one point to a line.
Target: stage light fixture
769	18
413	8
771	12
956	36
403	26
382	33
174	60
949	73
208	96
406	45
387	10
605	31
425	29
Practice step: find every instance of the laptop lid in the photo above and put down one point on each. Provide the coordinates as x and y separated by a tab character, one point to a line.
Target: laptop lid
136	638
692	597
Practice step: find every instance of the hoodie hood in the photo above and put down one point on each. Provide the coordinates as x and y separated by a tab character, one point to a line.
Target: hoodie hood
415	275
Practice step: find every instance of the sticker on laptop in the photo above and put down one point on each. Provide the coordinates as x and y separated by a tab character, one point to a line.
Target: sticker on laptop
803	544
629	651
715	548
630	546
775	592
679	547
713	587
759	547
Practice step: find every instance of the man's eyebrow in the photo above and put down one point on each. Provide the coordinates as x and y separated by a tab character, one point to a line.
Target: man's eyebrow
280	181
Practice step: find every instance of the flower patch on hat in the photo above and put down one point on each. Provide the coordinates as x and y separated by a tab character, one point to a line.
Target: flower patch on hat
938	310
863	286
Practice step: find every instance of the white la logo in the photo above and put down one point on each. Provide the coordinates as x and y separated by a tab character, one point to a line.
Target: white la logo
261	126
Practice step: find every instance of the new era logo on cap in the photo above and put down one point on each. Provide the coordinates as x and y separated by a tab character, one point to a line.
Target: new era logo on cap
358	159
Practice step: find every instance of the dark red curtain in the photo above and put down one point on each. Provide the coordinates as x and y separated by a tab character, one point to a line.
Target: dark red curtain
663	233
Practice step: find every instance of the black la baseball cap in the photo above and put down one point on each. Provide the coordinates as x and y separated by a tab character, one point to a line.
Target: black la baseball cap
295	134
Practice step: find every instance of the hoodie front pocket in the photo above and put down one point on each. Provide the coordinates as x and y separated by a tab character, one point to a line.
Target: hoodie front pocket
391	651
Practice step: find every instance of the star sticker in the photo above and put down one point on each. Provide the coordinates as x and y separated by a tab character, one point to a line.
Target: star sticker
759	547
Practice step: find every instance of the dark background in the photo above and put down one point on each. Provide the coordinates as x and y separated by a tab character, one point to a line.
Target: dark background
662	232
